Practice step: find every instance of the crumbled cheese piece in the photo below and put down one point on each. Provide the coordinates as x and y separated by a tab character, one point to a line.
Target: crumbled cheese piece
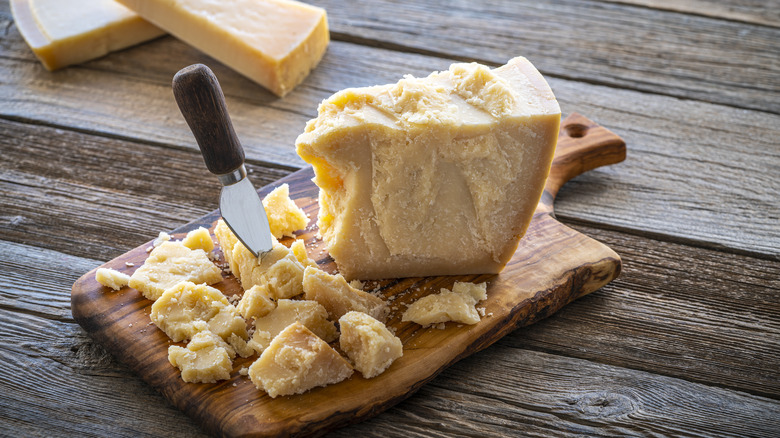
161	238
199	239
371	347
170	264
180	308
205	360
458	305
338	297
299	249
297	360
357	284
284	216
309	313
256	302
111	278
277	269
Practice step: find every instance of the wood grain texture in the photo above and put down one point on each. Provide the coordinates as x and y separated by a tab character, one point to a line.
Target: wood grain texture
612	44
714	160
552	266
764	12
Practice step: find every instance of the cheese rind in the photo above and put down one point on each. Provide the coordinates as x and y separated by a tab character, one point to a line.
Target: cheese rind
171	263
371	347
432	176
338	297
276	43
297	360
67	32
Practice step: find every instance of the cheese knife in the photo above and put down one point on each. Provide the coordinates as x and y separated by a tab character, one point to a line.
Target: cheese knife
202	104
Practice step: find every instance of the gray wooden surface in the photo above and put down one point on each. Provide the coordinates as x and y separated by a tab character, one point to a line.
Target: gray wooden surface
96	160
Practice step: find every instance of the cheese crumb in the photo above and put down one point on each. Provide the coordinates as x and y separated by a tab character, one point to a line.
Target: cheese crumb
284	217
199	239
458	305
111	278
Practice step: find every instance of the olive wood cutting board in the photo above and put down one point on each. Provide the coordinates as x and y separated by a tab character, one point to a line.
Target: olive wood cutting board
553	266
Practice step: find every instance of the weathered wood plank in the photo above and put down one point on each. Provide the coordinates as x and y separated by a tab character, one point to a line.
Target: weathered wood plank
618	45
765	12
97	197
68	384
683	155
697	314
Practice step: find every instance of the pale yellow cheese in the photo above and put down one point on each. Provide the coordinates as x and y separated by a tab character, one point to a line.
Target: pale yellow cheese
171	263
66	32
296	361
205	360
284	217
227	241
458	305
199	239
299	249
432	176
256	302
276	43
338	297
278	270
371	347
181	311
309	313
112	278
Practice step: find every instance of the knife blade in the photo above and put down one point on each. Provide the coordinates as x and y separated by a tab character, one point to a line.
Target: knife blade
202	103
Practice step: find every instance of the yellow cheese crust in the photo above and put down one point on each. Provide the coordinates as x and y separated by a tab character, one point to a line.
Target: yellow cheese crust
275	43
67	32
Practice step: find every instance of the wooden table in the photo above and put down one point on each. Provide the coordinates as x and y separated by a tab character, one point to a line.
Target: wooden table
96	160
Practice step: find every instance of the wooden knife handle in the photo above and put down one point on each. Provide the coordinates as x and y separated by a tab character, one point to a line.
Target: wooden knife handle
202	104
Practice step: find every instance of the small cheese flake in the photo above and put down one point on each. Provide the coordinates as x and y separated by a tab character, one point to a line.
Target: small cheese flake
129	264
161	238
111	278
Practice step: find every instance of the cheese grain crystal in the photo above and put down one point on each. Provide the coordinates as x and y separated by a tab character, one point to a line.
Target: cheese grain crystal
171	263
296	361
432	176
67	32
276	43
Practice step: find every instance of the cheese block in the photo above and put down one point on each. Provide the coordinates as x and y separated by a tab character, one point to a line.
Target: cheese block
66	32
275	43
432	176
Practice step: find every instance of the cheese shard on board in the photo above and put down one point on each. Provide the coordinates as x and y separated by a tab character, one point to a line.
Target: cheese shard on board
275	43
433	176
67	32
338	297
284	217
370	346
296	361
458	305
205	360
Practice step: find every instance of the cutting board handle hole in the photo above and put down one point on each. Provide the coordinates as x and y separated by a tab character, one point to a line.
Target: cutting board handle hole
576	130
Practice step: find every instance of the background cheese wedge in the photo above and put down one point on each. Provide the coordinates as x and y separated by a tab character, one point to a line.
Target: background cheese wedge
66	32
276	43
432	176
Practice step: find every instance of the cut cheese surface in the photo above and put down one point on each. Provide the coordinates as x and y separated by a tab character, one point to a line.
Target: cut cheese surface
66	32
276	43
432	176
